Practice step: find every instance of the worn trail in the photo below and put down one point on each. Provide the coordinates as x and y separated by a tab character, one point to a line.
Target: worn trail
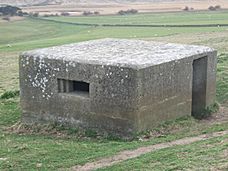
129	154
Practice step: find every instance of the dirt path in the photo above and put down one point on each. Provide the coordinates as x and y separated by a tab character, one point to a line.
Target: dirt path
129	154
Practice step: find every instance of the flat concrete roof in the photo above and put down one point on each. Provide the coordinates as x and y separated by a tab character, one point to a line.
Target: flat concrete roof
119	52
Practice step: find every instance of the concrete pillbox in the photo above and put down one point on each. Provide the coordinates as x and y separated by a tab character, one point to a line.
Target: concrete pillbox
115	85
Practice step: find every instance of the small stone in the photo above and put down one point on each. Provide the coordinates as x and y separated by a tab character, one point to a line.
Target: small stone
3	159
39	165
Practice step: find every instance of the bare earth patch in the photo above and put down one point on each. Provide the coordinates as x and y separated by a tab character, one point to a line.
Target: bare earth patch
220	117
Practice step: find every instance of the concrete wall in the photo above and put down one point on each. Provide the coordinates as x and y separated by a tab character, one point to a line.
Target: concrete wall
166	90
166	93
211	78
110	106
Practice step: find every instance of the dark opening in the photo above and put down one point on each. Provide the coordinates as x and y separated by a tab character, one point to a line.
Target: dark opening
70	86
199	86
80	86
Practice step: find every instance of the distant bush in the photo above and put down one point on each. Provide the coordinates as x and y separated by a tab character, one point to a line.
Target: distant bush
6	18
121	12
186	8
211	8
96	13
214	8
65	14
10	94
9	10
20	13
129	11
50	15
217	7
86	13
36	14
132	11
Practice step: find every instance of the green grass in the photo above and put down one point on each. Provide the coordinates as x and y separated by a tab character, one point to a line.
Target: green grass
29	29
207	17
25	151
33	33
222	79
204	155
8	72
9	112
9	94
29	34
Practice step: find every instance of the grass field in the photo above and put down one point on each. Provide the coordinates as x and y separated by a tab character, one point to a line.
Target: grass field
182	158
35	33
57	148
218	17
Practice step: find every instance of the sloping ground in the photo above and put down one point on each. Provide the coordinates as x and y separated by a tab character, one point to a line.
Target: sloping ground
220	117
124	156
208	154
129	154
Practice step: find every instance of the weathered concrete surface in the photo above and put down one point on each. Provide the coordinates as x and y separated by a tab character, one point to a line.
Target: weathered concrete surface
133	84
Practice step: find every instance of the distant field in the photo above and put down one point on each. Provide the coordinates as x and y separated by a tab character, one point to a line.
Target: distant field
32	33
55	151
76	7
182	18
29	33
